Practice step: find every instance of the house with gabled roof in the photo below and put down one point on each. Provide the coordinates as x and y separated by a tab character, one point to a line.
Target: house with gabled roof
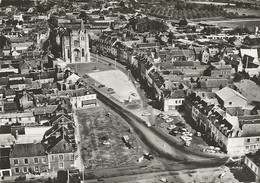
60	145
28	158
228	97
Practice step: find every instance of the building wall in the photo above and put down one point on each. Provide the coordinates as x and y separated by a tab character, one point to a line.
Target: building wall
13	118
253	167
171	104
41	166
62	161
78	40
231	144
77	101
235	101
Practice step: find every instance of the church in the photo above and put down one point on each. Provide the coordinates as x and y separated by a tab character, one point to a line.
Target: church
75	45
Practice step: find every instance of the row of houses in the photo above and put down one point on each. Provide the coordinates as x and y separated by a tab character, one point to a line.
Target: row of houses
38	150
235	132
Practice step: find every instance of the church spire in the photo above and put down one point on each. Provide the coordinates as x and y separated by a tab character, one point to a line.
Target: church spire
82	27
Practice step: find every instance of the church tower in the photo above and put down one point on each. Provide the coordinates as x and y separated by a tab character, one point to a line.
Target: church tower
75	45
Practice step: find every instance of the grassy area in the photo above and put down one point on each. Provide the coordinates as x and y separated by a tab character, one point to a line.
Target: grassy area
95	127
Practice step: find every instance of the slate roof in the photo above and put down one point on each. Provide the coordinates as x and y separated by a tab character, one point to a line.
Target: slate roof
27	150
49	109
10	107
178	94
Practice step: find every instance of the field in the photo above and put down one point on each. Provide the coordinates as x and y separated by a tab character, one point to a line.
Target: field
95	128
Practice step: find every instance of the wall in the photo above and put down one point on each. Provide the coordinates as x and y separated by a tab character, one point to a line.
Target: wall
55	162
236	101
42	166
171	104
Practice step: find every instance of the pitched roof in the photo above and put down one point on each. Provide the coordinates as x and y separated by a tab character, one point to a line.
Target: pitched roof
27	150
227	93
45	109
178	94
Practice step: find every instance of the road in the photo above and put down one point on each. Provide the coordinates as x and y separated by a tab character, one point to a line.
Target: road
159	143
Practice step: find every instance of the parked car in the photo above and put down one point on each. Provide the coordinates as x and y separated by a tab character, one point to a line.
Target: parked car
100	86
173	115
146	114
171	127
173	132
165	117
180	124
160	115
185	138
169	120
148	124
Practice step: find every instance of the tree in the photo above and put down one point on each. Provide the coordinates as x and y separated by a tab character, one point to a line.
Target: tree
208	30
183	22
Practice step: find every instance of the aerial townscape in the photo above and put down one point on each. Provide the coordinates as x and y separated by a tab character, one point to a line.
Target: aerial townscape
129	91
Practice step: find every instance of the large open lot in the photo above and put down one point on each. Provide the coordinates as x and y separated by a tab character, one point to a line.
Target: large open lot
119	82
96	127
85	68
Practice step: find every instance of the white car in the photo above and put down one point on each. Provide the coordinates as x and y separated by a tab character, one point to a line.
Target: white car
169	120
106	142
171	127
148	124
146	114
165	117
187	134
185	138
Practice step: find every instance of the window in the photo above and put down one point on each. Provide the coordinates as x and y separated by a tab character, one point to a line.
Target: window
247	147
248	140
255	169
76	43
68	52
16	162
52	158
83	52
25	170
26	161
247	161
61	157
230	103
36	160
17	170
257	139
61	165
36	169
44	160
82	38
251	165
71	157
176	101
